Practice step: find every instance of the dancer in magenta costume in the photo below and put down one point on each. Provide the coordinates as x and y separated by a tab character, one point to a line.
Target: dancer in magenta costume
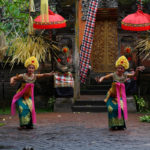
24	98
116	96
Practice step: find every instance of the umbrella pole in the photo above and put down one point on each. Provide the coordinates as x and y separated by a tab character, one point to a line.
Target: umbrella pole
51	51
138	76
52	60
138	80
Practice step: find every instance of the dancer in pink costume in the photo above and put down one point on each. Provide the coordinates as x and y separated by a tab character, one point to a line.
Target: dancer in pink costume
24	98
116	96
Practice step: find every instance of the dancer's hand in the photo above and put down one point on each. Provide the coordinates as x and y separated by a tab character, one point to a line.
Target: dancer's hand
12	82
52	73
105	100
140	68
99	80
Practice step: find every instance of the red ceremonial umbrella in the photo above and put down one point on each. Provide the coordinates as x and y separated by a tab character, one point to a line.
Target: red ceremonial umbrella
138	21
55	21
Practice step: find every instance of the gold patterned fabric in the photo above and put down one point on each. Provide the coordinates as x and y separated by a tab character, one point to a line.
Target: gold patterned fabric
105	46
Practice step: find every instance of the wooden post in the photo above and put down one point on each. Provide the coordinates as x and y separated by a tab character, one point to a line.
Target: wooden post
138	64
76	59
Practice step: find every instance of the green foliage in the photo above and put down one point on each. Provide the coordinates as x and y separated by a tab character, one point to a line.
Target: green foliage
142	108
141	104
51	102
4	111
14	20
145	118
2	124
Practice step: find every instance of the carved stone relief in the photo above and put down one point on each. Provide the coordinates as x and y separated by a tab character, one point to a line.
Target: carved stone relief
85	5
128	40
66	40
108	4
52	5
102	4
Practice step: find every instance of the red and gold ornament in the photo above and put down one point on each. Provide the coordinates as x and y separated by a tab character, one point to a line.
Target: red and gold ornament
68	59
128	50
59	60
65	49
129	58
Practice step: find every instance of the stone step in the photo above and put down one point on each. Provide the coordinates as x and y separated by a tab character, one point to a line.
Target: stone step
100	87
90	103
89	108
93	92
95	103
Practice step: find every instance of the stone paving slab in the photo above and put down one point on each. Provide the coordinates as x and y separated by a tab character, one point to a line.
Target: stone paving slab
75	131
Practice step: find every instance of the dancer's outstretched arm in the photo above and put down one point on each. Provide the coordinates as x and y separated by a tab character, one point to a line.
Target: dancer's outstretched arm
99	80
45	74
14	79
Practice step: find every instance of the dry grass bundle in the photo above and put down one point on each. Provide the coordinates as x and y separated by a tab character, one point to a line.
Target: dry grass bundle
3	46
2	52
23	48
40	47
143	46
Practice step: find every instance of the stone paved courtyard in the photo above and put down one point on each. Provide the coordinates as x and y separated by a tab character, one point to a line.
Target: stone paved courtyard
74	131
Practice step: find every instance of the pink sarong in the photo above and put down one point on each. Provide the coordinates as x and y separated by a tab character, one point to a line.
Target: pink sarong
122	87
19	95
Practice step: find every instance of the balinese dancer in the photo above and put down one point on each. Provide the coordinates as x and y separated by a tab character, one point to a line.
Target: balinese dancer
116	96
24	98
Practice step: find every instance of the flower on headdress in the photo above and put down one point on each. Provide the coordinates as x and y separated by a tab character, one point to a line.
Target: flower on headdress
122	61
32	61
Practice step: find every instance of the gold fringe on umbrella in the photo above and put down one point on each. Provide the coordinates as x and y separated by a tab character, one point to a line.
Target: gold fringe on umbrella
44	11
32	6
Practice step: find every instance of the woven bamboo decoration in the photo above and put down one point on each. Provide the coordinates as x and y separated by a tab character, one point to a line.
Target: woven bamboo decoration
44	11
30	27
32	6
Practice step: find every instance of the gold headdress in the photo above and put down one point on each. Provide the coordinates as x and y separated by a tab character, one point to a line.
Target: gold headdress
122	61
32	61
